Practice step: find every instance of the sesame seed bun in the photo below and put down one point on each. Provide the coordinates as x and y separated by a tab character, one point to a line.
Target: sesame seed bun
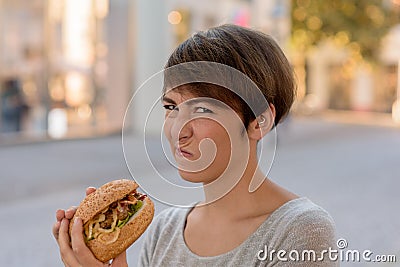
129	233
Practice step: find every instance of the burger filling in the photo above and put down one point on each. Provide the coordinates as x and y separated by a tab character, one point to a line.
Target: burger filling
106	225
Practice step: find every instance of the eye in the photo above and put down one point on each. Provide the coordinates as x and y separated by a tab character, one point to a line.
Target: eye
170	107
203	110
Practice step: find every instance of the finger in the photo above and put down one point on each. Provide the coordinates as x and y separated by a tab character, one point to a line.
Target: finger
60	214
56	229
69	213
66	252
82	252
90	190
120	260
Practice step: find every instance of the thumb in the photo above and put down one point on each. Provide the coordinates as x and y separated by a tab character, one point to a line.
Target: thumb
81	251
120	260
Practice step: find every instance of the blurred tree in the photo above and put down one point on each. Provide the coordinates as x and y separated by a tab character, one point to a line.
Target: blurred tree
357	24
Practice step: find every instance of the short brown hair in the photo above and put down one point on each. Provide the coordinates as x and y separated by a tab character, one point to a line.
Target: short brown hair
251	52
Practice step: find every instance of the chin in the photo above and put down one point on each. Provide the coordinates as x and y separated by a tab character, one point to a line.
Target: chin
203	177
193	177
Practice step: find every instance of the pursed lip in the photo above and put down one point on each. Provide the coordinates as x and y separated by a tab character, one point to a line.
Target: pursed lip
183	153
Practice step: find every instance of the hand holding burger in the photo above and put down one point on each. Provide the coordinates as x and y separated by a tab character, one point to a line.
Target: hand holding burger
106	223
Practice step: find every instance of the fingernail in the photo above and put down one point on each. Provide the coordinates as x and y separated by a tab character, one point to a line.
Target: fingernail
76	219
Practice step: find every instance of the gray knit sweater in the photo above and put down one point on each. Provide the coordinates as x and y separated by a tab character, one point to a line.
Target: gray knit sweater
300	228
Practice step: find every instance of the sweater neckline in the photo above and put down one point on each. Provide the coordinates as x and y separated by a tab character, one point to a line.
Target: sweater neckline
287	205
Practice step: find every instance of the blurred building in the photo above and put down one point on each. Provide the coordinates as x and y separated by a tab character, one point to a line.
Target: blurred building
59	52
390	56
334	75
338	81
78	62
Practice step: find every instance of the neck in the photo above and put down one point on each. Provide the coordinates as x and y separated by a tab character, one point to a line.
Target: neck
243	191
229	204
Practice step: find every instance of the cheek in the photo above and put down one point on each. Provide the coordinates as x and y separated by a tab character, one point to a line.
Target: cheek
167	129
219	136
167	132
230	140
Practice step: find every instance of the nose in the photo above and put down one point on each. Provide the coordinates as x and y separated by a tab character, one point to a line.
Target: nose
181	130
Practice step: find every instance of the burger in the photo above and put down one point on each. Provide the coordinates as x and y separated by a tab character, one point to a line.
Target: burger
114	217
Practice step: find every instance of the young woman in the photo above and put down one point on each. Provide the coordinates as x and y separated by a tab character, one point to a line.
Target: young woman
234	226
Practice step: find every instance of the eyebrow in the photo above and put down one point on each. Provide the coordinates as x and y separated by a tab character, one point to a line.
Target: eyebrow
213	102
190	102
169	100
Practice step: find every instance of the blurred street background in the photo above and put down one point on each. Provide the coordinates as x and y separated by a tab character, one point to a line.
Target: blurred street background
68	69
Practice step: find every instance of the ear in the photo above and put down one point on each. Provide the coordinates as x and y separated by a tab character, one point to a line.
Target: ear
259	127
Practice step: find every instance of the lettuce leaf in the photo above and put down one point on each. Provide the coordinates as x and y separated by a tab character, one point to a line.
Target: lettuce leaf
136	207
133	210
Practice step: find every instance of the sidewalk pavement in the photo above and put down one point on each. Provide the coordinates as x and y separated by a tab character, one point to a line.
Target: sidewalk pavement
375	119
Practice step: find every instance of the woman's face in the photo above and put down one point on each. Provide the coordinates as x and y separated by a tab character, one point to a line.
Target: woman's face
201	132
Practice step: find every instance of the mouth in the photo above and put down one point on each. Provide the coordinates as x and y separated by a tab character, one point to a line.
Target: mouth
183	153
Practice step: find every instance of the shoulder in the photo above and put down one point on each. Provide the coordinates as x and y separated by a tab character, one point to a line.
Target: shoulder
300	221
302	212
310	215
